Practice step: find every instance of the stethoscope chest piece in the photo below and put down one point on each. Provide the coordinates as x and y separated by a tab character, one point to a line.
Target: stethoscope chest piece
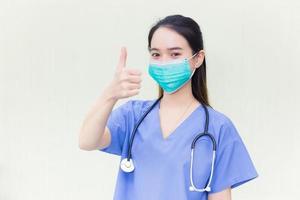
127	166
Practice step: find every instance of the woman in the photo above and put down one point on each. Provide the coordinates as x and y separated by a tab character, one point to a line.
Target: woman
162	144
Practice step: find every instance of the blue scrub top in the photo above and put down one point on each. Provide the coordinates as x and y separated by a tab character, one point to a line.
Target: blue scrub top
162	165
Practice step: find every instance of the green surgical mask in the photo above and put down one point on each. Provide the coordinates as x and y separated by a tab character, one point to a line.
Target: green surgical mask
171	76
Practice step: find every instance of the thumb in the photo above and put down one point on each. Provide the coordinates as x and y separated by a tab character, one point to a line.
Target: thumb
122	59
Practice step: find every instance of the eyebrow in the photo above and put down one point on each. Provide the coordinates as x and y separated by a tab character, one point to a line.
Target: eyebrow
172	48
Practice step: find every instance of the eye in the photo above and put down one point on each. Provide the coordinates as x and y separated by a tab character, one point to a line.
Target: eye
154	54
175	54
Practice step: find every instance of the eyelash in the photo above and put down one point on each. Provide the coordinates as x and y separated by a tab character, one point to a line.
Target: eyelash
153	54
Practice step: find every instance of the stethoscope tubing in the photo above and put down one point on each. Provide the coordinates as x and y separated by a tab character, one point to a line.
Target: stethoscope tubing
129	167
137	125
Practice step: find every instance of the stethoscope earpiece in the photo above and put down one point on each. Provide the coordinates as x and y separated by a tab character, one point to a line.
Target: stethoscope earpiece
127	164
193	189
207	189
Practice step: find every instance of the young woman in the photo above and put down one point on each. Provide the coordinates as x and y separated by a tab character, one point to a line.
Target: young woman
161	163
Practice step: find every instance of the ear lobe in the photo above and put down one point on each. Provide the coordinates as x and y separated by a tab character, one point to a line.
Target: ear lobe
199	62
200	58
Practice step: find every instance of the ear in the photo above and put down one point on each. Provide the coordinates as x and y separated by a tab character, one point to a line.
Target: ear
200	57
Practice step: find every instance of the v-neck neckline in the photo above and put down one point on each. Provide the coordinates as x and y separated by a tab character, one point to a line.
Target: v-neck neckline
174	131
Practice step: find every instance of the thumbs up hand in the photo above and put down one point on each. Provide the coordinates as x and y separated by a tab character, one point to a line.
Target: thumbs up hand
126	81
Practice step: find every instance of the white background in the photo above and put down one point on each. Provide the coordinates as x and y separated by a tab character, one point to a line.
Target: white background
56	56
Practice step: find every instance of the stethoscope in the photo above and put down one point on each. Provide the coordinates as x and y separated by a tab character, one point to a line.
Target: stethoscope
127	163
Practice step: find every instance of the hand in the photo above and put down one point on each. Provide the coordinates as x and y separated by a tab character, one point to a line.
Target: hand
126	81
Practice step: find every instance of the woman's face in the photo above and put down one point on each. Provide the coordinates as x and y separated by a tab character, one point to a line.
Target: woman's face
167	45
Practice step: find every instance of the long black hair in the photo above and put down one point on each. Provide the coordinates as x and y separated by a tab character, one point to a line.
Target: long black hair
190	30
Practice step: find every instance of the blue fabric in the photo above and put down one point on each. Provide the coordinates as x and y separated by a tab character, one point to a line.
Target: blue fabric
162	165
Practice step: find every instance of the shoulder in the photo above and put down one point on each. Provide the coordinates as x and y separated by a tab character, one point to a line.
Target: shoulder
136	106
141	103
219	118
222	127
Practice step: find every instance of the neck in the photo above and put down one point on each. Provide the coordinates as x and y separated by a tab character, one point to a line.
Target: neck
181	97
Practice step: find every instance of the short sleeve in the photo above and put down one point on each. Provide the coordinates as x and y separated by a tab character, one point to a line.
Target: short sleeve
117	123
233	165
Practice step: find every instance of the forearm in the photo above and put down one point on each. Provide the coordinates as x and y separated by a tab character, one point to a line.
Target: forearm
93	125
223	195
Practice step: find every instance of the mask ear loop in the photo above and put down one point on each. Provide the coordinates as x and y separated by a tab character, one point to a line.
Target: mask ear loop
193	55
195	68
193	72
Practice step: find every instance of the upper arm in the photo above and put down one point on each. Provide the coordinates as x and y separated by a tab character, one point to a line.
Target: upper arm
223	195
117	129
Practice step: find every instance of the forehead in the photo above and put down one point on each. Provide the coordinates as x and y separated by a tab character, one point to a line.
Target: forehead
165	38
